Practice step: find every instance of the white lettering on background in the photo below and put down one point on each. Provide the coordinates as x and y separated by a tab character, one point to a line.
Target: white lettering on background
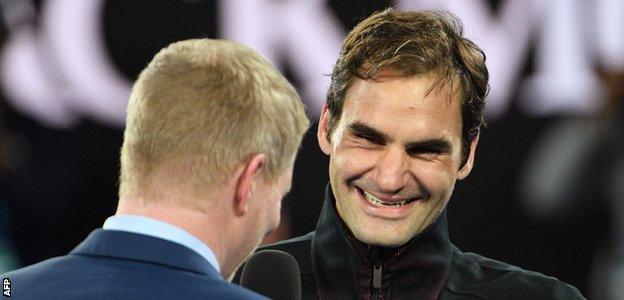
63	71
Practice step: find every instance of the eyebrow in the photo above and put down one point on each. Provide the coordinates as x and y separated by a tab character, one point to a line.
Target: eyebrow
360	129
437	144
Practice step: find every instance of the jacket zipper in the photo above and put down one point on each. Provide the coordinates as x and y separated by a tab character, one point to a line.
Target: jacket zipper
377	272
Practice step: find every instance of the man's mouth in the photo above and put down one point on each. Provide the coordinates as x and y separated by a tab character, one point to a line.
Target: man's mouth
378	202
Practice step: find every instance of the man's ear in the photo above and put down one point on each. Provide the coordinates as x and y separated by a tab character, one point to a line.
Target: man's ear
245	183
322	132
465	170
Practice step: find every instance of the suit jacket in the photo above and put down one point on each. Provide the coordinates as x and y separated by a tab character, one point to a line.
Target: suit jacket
112	264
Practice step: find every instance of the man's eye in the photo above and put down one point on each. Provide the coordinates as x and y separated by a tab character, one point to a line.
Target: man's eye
370	139
424	151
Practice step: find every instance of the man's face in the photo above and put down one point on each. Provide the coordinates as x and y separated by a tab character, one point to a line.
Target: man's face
394	156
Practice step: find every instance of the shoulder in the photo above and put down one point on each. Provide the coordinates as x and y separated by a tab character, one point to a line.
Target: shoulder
49	266
300	243
44	279
299	248
81	277
481	277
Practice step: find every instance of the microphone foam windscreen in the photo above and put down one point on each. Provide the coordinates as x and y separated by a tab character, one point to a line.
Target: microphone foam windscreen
274	274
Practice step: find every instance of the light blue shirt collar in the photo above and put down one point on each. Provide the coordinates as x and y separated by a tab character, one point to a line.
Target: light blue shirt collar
159	229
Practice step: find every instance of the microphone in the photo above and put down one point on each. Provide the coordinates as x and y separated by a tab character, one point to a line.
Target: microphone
274	274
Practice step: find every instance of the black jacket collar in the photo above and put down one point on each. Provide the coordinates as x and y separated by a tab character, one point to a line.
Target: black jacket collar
418	268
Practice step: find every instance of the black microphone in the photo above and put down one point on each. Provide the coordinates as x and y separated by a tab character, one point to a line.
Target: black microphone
274	274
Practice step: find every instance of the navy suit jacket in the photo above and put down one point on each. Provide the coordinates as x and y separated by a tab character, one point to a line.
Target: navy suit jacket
113	264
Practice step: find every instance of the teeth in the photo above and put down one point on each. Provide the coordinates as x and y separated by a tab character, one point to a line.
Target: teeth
374	200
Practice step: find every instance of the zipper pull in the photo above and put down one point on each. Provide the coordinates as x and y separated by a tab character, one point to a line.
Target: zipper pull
377	276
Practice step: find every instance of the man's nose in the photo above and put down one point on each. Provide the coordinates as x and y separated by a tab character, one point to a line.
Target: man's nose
392	170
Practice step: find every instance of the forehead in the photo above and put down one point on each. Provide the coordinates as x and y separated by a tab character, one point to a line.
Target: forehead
413	106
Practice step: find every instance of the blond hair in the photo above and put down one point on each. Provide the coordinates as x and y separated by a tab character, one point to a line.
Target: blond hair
207	106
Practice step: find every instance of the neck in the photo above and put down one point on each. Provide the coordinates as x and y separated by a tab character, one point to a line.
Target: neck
203	225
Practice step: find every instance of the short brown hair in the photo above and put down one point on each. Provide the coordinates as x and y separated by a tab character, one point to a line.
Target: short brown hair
209	105
414	43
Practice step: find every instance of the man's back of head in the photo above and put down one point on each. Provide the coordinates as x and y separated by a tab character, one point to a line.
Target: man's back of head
199	113
210	141
203	107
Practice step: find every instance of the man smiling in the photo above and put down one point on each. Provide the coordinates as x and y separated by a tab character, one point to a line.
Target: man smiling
401	126
393	179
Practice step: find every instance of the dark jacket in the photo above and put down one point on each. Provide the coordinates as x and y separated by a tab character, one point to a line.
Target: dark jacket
334	265
113	264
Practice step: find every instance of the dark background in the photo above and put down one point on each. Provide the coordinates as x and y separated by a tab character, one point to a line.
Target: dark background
61	183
